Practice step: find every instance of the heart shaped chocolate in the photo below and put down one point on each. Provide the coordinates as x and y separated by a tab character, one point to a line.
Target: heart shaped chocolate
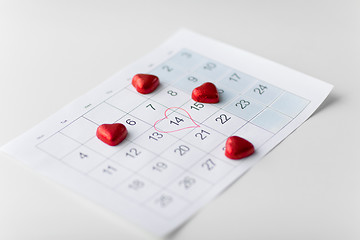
238	148
111	134
145	83
206	93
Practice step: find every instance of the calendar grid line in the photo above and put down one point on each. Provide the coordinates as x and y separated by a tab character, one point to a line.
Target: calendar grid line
88	120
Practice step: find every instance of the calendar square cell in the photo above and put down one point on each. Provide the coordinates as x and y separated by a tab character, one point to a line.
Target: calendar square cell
134	126
271	120
186	59
224	122
138	188
219	152
171	97
211	70
225	96
110	174
155	141
204	138
237	81
190	186
254	134
183	154
264	92
211	169
168	72
199	111
290	104
58	145
133	156
83	159
189	82
161	171
167	204
81	130
245	108
149	111
102	148
104	113
121	100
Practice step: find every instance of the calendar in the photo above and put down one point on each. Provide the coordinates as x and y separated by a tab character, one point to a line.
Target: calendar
172	161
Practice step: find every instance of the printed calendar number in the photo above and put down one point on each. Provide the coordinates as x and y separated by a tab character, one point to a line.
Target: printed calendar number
210	66
202	134
208	164
177	121
197	106
133	152
160	166
109	170
192	79
260	89
164	200
167	68
150	106
234	77
187	182
242	104
182	150
186	54
130	122
110	173
136	184
223	118
156	136
172	93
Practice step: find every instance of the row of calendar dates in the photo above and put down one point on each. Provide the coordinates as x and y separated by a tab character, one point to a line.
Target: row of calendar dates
140	175
170	162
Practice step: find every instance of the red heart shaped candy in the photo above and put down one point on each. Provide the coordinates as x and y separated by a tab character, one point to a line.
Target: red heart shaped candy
111	134
145	83
206	93
237	148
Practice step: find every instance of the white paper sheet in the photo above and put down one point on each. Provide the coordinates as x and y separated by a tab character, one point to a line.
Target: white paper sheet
163	172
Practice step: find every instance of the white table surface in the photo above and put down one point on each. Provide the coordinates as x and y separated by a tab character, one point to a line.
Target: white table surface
306	188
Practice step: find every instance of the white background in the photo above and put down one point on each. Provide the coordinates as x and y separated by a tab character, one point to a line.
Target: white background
51	52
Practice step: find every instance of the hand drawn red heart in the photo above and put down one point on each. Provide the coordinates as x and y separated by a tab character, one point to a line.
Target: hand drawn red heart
179	121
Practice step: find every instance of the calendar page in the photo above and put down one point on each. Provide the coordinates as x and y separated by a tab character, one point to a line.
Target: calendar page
172	161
